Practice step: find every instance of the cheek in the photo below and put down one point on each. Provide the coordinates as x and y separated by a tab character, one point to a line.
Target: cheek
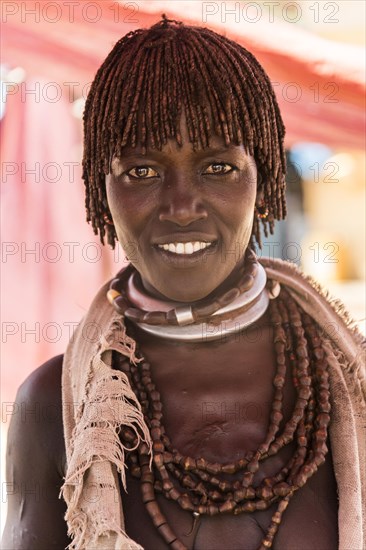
243	226
112	197
131	212
119	203
119	209
249	197
241	210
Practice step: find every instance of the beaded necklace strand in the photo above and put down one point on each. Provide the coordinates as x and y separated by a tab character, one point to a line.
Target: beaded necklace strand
202	487
181	316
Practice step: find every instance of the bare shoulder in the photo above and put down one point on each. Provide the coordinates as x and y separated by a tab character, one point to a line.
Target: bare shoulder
38	410
47	376
35	461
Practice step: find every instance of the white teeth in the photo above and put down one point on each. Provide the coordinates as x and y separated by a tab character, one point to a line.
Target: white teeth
185	248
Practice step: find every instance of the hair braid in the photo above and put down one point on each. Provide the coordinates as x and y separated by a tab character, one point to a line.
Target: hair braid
141	89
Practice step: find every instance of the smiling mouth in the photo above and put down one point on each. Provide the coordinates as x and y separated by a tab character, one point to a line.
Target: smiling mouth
185	249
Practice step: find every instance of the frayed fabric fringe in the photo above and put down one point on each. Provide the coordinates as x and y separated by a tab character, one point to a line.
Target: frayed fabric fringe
97	455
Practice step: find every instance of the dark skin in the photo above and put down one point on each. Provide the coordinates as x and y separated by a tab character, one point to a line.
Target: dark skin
211	411
35	463
178	195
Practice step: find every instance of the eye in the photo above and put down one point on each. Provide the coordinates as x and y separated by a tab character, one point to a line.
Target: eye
219	168
142	173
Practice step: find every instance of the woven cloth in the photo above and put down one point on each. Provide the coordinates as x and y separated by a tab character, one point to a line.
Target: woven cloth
97	400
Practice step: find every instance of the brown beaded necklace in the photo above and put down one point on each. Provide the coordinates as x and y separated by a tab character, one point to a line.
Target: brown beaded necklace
181	315
202	487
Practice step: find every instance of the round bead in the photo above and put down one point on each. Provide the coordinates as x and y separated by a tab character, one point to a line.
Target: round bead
228	468
213	468
281	489
112	294
185	503
274	290
228	506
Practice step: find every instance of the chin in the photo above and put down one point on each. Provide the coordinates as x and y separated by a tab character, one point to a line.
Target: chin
187	297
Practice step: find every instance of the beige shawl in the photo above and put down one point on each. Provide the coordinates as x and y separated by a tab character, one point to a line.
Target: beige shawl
97	400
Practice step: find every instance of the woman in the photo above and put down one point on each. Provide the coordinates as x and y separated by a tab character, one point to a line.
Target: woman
204	393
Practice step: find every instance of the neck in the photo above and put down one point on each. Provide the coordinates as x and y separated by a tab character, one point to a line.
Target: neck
230	282
231	310
234	315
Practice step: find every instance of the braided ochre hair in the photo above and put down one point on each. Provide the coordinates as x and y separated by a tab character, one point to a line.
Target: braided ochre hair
140	90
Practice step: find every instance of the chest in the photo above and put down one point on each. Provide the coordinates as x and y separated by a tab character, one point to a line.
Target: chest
216	404
309	522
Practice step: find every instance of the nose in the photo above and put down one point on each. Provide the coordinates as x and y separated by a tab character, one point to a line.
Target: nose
181	202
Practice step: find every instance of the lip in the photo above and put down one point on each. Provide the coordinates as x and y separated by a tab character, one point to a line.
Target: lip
186	260
186	237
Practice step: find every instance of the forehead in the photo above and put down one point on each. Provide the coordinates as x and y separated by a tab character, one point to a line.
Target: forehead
216	147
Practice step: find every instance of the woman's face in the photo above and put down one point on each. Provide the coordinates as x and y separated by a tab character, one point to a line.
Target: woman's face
184	218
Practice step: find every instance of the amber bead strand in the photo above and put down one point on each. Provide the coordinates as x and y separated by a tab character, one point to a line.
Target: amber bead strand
301	432
202	468
188	464
225	487
118	297
151	504
306	380
300	373
148	482
279	339
216	468
277	486
198	475
317	451
299	369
